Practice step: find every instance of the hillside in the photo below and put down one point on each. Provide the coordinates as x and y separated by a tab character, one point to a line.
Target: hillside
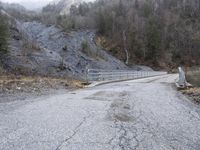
159	34
162	34
39	49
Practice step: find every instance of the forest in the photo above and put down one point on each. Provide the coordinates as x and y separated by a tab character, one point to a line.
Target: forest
3	35
160	33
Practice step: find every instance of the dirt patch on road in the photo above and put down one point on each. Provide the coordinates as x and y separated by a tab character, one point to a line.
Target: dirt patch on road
120	108
104	96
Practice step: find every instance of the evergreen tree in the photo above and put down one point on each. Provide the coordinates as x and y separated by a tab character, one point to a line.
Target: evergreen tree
153	40
3	35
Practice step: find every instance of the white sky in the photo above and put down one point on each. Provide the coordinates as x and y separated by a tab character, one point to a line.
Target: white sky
30	4
21	1
34	4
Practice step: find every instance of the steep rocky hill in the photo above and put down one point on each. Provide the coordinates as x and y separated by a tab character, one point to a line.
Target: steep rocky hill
39	49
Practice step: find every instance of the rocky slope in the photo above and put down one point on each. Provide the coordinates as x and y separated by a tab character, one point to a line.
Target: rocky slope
54	52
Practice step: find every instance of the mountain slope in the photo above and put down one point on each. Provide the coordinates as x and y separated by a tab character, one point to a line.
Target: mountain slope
38	49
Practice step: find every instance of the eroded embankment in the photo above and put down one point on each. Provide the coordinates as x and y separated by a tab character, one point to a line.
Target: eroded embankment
47	50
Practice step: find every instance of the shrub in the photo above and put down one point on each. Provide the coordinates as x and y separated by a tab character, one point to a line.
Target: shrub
194	78
86	49
65	48
84	46
3	35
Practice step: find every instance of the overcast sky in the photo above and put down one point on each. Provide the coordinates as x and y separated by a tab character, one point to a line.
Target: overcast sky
30	4
21	1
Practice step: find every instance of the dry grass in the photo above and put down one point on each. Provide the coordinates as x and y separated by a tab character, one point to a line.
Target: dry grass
193	93
93	53
193	77
12	84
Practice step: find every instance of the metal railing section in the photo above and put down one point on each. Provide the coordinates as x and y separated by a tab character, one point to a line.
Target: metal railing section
112	75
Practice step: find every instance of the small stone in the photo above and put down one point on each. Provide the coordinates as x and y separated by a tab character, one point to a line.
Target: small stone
18	88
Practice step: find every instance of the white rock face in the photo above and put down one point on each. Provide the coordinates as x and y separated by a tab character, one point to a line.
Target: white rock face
38	4
66	4
34	4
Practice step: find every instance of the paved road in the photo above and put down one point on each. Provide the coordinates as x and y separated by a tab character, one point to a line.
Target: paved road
145	114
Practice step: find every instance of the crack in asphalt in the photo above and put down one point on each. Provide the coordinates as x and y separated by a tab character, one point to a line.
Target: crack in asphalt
127	132
75	131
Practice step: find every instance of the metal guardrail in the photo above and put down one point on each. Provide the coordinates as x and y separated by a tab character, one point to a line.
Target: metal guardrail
106	75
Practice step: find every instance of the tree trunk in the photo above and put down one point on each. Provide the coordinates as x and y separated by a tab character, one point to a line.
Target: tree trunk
144	53
125	47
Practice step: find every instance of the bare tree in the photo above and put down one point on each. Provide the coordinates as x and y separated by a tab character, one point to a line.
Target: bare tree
125	46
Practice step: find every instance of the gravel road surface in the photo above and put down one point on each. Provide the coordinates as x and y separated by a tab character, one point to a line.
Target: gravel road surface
145	114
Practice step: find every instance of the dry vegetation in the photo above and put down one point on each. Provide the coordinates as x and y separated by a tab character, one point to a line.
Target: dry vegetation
160	34
194	94
93	53
23	87
28	84
193	77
